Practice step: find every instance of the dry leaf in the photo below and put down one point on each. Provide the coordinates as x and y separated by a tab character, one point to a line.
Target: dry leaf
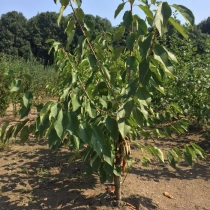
131	206
110	189
168	195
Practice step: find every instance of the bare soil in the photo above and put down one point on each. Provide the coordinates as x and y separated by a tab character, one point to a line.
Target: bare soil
34	177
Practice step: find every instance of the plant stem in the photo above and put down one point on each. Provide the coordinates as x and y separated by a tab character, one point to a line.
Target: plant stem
117	187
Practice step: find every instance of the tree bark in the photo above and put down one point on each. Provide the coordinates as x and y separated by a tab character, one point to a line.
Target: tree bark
117	187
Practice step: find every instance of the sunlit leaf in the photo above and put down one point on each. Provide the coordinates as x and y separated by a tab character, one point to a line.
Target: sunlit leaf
119	9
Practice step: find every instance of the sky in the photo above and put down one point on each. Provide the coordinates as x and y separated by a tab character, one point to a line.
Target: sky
102	8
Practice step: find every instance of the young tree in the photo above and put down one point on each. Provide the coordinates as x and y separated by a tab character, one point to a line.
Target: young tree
106	92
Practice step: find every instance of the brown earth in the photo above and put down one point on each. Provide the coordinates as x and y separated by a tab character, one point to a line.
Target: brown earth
34	177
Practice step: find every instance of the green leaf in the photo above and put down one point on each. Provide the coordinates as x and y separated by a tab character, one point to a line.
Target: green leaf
117	52
89	25
187	14
89	109
171	159
131	63
73	125
27	97
144	72
177	154
128	106
85	132
19	126
9	134
75	142
107	155
27	77
49	40
112	126
16	84
90	80
143	96
64	2
97	146
138	116
81	42
171	56
159	154
95	162
58	124
24	134
119	9
130	41
45	110
23	112
92	60
75	102
147	11
78	2
60	14
2	130
70	26
70	38
198	150
118	33
187	156
102	88
178	27
145	45
79	14
162	15
131	89
53	140
127	19
108	168
122	126
142	27
54	110
144	1
161	55
102	174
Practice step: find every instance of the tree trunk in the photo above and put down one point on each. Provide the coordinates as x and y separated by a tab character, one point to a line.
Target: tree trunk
117	187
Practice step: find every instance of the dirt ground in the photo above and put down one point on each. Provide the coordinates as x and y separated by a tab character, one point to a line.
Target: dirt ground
34	177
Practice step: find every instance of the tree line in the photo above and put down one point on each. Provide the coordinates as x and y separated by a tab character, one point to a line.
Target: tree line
26	38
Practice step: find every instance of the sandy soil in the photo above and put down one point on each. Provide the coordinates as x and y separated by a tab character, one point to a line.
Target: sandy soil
34	177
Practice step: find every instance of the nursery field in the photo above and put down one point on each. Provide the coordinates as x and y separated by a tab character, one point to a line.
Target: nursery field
100	117
34	177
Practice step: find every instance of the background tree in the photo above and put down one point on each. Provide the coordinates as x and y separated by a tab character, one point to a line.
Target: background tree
42	27
14	37
205	26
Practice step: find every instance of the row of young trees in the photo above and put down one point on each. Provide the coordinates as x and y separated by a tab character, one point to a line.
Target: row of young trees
26	38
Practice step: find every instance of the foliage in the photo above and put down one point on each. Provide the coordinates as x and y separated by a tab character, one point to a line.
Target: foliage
105	101
205	26
190	90
29	76
21	37
42	27
14	37
4	92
